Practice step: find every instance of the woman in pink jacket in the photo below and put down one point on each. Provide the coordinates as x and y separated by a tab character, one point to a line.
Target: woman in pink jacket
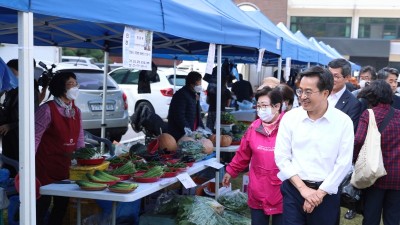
257	150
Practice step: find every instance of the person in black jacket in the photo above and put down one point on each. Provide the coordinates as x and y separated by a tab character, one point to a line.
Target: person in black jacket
184	110
9	128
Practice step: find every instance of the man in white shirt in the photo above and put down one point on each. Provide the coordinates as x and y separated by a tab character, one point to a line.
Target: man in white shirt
314	150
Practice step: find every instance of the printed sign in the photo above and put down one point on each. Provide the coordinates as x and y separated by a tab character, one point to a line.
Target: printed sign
186	180
137	48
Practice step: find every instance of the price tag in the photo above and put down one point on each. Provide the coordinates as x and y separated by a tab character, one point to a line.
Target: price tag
186	180
215	164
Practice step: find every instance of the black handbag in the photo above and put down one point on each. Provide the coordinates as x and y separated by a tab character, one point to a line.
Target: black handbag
350	196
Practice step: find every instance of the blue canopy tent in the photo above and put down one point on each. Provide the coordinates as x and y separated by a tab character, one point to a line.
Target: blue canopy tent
320	48
305	53
100	25
322	58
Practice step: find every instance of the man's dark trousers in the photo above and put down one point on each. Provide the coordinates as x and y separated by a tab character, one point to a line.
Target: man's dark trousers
293	213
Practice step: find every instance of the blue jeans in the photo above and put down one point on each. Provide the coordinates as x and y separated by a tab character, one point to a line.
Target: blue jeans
381	202
293	214
258	217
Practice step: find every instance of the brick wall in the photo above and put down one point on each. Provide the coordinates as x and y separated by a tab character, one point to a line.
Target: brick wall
275	10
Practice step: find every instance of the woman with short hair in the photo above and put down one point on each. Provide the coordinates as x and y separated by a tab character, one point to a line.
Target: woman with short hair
382	199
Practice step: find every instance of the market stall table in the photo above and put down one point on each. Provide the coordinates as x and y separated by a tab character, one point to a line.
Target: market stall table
231	148
144	189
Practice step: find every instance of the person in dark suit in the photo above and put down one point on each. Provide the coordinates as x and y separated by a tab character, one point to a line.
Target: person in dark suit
184	110
340	97
390	75
344	100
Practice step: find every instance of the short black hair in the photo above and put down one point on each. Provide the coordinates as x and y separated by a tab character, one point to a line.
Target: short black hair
379	91
57	86
273	94
325	81
384	73
369	69
13	63
287	93
192	78
343	64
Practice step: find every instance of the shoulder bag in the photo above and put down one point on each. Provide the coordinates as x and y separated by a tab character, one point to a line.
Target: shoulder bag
369	165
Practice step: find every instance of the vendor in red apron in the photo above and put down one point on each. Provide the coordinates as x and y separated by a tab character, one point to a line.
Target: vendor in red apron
58	133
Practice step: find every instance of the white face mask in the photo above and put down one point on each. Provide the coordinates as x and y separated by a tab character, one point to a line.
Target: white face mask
266	115
284	107
362	83
73	93
198	88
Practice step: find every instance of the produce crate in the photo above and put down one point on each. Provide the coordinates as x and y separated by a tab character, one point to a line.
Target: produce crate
79	172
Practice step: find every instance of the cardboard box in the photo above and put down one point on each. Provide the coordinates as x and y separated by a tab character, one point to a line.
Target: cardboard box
245	182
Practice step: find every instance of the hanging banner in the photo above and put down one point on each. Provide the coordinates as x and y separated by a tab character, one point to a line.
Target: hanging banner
260	58
210	58
288	66
137	48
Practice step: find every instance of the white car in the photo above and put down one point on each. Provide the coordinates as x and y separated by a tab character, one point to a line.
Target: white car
161	90
78	60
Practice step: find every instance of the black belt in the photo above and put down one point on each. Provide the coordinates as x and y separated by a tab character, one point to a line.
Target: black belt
312	184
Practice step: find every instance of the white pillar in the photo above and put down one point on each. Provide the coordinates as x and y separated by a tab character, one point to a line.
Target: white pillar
355	22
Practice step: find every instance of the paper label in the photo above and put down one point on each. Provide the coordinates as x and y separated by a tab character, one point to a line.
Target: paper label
186	180
215	164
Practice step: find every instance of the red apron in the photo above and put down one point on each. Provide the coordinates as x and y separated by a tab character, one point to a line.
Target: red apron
53	157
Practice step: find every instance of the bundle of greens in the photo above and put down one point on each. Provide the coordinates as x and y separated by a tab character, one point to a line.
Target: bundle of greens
234	200
193	148
236	219
197	210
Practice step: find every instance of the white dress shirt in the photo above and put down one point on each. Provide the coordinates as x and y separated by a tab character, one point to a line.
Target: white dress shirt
334	98
319	150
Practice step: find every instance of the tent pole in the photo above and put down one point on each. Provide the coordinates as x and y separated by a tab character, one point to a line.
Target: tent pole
103	113
218	117
26	119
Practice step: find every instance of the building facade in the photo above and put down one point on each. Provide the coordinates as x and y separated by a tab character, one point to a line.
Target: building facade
366	32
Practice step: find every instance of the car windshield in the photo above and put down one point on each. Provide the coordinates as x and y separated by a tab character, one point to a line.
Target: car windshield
93	80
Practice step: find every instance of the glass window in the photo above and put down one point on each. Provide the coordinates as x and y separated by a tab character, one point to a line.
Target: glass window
133	77
180	80
379	28
93	80
321	26
119	75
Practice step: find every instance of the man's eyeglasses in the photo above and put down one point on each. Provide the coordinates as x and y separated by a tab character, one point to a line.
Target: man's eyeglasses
308	93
